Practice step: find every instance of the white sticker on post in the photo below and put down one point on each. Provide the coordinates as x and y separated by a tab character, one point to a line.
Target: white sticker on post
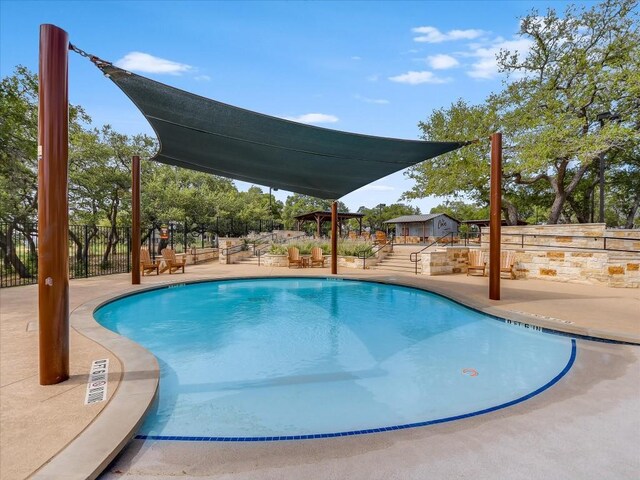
97	386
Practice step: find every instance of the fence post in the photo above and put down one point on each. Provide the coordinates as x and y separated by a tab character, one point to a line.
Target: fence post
153	241
185	236
171	237
85	257
128	230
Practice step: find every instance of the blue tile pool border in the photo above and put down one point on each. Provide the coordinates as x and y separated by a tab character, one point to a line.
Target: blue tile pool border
553	381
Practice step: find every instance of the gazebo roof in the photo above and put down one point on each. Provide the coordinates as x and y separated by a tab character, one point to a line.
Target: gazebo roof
326	216
206	135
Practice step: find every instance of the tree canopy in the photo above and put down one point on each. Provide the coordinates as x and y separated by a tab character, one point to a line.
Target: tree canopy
573	97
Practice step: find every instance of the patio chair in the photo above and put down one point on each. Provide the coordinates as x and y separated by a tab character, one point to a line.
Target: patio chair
171	263
381	238
146	264
294	257
353	236
317	257
507	263
477	262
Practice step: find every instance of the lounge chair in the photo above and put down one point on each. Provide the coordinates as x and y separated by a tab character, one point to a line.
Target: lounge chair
381	238
507	263
146	264
477	262
317	257
171	263
294	257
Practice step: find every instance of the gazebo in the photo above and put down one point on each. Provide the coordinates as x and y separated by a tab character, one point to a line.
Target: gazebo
321	217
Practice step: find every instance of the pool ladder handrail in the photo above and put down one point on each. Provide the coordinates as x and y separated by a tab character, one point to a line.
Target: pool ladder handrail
374	251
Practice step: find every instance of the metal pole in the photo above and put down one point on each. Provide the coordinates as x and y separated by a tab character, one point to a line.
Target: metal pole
53	206
135	220
334	238
495	220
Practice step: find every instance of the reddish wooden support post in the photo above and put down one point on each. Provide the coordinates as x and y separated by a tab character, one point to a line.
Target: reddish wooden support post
334	238
53	206
495	218
135	220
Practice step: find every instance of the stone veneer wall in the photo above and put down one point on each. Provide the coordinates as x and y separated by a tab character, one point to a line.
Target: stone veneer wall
583	235
445	261
613	269
347	262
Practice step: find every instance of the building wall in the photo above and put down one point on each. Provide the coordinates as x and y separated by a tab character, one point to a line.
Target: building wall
436	227
416	229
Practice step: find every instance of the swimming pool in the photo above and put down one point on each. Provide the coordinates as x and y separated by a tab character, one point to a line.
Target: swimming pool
293	358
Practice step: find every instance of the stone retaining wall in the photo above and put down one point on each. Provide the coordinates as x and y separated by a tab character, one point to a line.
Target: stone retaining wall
584	235
343	261
445	261
200	255
613	269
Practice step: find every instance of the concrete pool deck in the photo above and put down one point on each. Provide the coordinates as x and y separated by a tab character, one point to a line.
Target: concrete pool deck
586	426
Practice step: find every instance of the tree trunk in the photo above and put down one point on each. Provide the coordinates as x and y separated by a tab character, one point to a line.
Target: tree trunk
10	256
112	240
556	207
631	215
510	212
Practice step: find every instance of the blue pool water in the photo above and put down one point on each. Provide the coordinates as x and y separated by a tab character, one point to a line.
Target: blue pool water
280	358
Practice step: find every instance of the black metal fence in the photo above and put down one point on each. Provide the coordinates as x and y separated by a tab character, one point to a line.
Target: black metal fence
96	250
93	251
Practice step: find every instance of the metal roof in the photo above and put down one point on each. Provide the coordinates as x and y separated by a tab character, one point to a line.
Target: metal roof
418	218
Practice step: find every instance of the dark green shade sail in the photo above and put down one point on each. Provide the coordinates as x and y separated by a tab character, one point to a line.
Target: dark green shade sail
213	137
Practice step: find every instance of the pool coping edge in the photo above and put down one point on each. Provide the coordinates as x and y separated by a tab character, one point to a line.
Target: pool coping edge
91	451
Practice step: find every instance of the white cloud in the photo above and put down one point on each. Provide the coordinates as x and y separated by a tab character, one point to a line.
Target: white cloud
415	78
433	35
356	58
378	101
486	67
442	62
378	188
202	78
143	62
314	118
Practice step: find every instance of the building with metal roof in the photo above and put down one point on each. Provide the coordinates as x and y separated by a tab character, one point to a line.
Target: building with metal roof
423	227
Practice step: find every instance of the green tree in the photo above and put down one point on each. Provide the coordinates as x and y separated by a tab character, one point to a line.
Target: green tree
375	217
18	160
100	179
462	211
579	65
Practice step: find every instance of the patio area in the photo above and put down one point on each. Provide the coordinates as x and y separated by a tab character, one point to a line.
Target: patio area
586	426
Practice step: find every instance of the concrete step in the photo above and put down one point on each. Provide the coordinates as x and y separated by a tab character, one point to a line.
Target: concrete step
397	263
386	268
253	260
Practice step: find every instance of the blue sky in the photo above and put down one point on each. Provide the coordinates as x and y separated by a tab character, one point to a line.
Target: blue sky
376	68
